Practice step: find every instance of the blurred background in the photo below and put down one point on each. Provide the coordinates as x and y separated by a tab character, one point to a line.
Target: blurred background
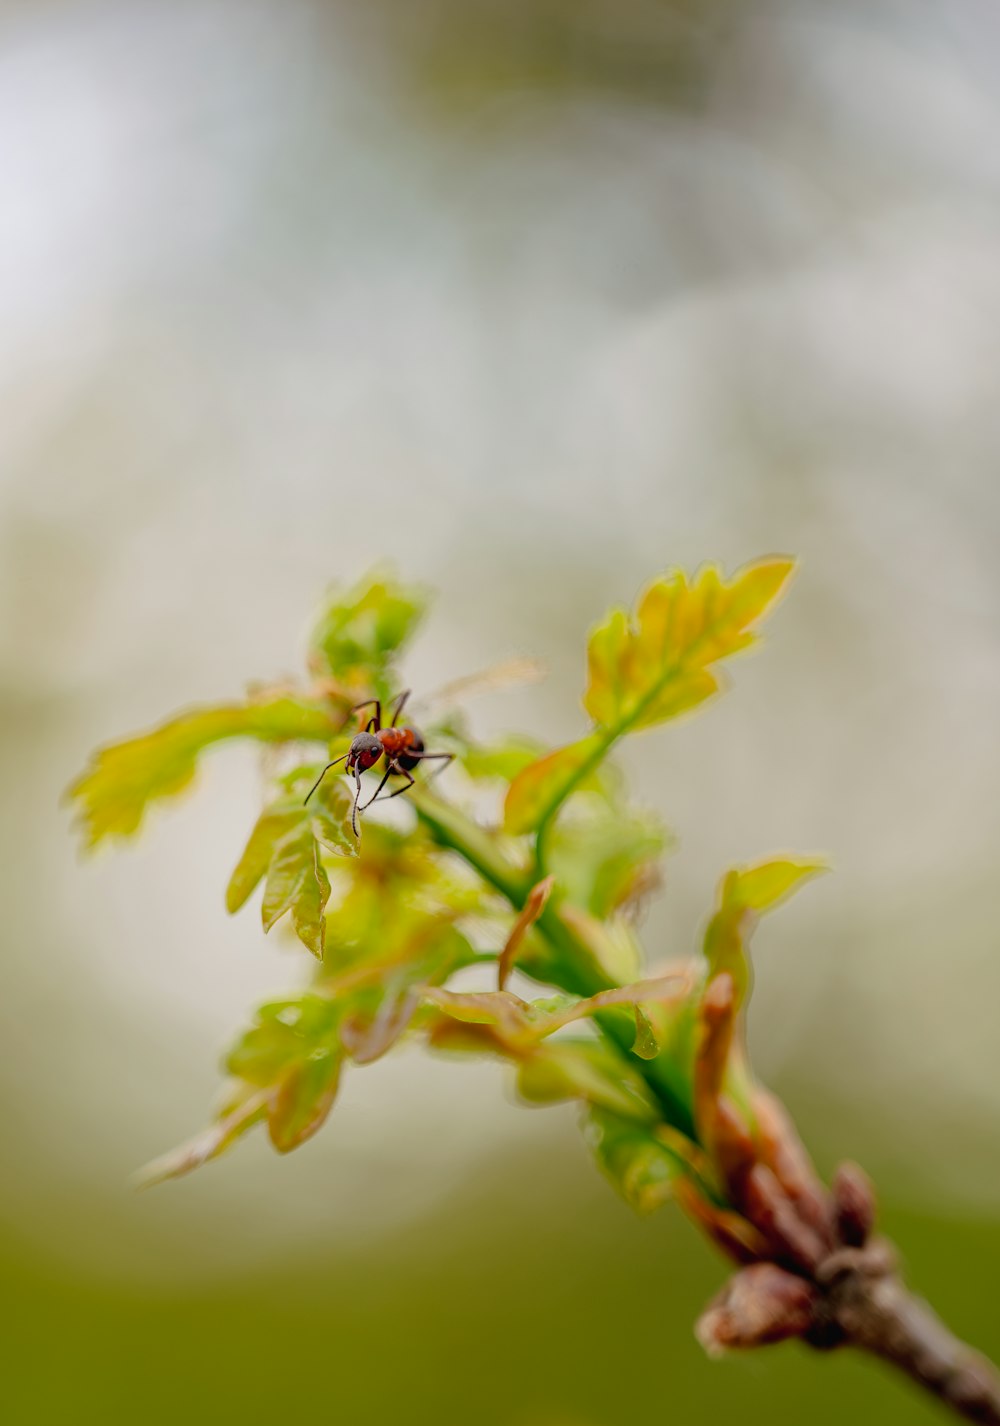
534	298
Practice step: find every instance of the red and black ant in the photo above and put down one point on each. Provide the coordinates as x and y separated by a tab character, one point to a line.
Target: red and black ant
403	749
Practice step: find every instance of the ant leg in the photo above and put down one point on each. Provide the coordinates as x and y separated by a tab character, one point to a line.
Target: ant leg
400	702
446	758
322	775
377	720
385	778
410	782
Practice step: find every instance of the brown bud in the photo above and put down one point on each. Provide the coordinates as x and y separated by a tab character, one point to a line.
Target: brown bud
785	1154
734	1148
717	1016
853	1205
759	1305
770	1209
737	1238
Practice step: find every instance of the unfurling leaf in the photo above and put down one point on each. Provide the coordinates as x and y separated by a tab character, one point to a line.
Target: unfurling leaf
363	628
745	893
650	666
533	907
534	786
642	1168
113	793
573	1069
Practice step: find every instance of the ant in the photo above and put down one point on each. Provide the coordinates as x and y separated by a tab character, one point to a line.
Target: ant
403	749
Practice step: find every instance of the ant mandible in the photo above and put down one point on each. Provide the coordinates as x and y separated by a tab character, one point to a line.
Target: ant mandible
403	749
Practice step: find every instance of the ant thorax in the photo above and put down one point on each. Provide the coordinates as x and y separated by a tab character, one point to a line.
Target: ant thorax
394	740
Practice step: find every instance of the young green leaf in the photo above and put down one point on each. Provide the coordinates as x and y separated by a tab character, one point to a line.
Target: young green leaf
113	793
647	667
297	882
641	1167
284	847
271	828
304	1098
361	630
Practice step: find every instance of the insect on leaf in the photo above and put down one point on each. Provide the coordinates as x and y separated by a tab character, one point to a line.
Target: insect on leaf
284	847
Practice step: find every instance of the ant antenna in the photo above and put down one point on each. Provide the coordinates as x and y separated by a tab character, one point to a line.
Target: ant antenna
322	775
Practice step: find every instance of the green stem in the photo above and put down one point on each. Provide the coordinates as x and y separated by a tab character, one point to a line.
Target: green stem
602	746
573	965
604	741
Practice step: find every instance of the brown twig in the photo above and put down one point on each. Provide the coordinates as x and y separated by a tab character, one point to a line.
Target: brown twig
847	1295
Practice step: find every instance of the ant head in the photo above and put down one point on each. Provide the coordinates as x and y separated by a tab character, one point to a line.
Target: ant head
364	753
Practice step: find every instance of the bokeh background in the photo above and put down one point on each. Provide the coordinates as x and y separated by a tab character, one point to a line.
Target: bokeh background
533	297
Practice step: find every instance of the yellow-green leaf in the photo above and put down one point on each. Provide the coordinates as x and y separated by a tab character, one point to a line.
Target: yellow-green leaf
552	1073
744	894
121	780
304	1098
767	884
653	664
271	828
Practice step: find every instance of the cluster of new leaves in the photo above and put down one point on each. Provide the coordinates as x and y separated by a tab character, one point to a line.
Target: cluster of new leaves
416	932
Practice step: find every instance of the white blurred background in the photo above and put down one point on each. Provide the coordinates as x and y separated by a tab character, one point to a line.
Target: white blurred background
533	299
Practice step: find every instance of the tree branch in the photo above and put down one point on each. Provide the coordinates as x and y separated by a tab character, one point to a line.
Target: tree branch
866	1304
